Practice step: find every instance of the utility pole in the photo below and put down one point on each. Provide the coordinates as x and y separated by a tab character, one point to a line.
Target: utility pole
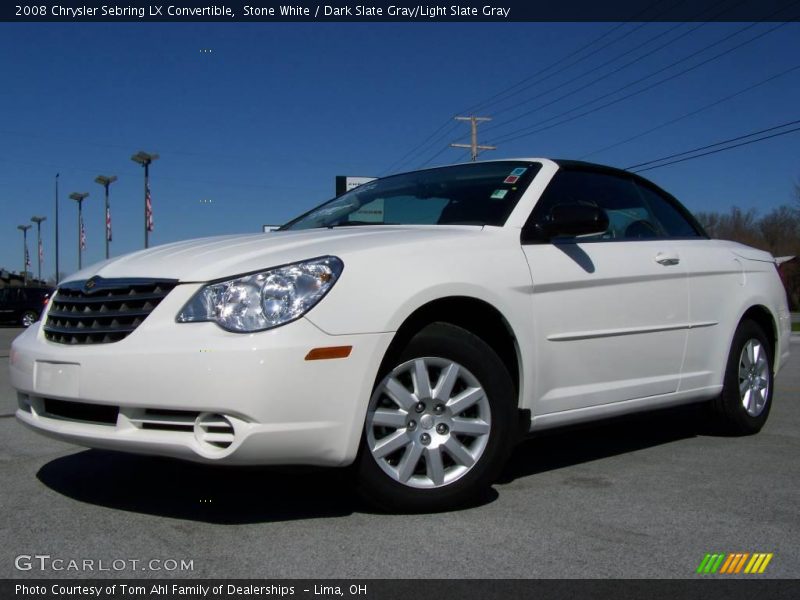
473	146
106	182
24	230
145	159
57	275
79	198
38	221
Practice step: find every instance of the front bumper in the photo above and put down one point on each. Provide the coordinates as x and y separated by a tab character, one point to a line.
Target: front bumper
196	392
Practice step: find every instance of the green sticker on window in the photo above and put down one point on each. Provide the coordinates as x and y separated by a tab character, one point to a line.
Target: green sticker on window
499	194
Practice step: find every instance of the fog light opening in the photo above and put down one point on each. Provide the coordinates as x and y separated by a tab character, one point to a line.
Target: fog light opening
214	432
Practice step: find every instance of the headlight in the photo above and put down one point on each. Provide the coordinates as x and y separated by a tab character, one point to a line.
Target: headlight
264	300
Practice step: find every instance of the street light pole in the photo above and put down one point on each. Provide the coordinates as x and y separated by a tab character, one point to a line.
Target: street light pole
57	275
24	230
38	221
79	197
145	159
106	182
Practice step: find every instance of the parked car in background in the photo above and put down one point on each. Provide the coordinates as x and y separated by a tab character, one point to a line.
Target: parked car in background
23	305
415	327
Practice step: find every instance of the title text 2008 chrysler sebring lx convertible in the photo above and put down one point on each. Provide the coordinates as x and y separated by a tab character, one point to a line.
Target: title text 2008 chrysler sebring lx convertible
415	326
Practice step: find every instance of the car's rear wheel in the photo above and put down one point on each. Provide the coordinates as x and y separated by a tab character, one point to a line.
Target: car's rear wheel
439	425
29	317
744	404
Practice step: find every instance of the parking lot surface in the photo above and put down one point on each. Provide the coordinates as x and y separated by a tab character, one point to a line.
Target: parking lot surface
642	497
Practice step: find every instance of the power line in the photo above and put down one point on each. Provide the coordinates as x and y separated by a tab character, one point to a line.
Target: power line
462	157
608	62
117	146
532	129
690	114
434	157
505	92
424	142
596	79
445	134
766	137
226	183
90	143
654	73
635	168
511	135
703	13
491	100
496	98
427	143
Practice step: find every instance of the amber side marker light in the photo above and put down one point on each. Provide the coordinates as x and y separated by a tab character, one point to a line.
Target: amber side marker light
329	352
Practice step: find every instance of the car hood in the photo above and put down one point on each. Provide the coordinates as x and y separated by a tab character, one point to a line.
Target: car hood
217	257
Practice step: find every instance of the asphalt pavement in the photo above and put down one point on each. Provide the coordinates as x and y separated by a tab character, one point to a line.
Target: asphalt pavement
641	497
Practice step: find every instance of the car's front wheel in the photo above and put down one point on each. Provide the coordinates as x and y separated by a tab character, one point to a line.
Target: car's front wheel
440	423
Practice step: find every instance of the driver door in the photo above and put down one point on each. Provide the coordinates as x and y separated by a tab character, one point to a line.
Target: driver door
611	310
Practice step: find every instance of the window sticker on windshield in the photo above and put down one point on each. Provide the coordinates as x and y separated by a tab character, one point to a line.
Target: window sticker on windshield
519	171
511	179
499	194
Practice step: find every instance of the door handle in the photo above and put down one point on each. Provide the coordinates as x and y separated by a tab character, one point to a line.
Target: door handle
667	258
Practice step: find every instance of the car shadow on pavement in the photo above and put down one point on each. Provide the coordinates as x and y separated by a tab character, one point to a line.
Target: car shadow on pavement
207	493
197	492
242	495
559	448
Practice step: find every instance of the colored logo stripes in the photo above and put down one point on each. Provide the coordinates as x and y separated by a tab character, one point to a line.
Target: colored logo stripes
734	563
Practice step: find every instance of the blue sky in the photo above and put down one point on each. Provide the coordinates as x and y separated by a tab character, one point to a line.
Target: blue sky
262	123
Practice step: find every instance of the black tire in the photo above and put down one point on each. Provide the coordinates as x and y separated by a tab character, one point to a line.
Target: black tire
28	318
469	352
728	413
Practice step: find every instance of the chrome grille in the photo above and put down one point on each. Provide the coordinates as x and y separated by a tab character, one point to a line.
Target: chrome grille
101	311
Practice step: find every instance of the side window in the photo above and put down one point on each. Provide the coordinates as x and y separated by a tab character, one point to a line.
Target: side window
628	215
674	223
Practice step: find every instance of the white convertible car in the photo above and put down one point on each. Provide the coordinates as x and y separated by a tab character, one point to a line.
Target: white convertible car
415	327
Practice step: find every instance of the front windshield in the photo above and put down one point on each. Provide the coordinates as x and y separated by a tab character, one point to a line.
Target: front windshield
472	194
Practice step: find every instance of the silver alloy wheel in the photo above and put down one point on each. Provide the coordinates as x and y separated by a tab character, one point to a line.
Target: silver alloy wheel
28	319
753	377
428	422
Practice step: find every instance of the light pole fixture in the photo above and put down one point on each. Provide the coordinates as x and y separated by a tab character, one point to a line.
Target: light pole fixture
145	159
79	198
106	182
25	260
38	221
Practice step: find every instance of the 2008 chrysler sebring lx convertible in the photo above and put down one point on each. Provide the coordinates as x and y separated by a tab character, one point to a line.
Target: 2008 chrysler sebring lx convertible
414	327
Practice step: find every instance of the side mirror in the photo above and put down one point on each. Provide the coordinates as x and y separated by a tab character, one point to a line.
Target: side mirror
573	220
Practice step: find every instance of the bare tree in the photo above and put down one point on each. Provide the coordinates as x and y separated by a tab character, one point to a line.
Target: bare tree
780	231
777	232
737	225
709	221
797	195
